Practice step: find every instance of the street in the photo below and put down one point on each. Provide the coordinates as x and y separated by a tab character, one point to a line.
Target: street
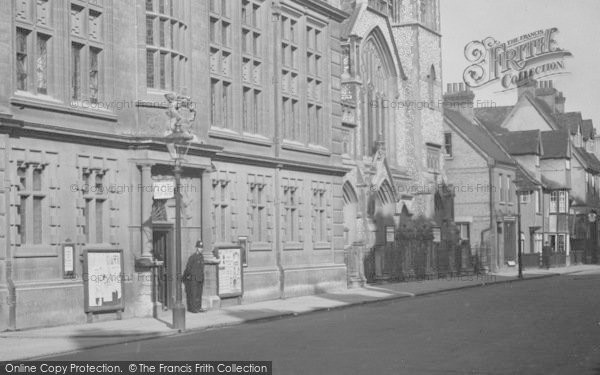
542	326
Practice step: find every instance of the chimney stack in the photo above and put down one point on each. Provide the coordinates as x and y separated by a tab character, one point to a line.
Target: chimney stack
459	98
529	85
551	96
559	100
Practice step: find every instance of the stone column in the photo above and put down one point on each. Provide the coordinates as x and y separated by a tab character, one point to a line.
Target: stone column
146	203
145	261
210	299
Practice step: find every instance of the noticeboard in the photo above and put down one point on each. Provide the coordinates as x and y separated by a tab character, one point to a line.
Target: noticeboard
389	234
244	244
68	254
103	280
229	275
163	189
437	234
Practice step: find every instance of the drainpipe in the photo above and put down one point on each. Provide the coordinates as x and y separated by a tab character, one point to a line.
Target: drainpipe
276	14
12	290
491	203
12	298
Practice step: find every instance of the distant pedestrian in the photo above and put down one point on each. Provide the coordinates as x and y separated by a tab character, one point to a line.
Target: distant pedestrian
546	252
193	277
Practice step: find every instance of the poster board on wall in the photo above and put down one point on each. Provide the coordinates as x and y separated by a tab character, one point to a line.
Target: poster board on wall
103	280
68	256
389	234
229	274
244	247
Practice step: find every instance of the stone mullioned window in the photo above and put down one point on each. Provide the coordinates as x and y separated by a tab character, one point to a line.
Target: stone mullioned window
292	212
35	208
321	218
87	46
97	212
166	37
224	206
303	78
252	65
260	210
35	34
221	77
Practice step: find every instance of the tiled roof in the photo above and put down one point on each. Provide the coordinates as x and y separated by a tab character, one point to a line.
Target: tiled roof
578	202
479	136
525	180
541	104
587	129
555	144
569	121
525	142
492	117
551	184
590	159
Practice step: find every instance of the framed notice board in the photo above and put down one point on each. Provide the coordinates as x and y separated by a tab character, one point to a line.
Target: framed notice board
103	280
389	234
68	256
229	273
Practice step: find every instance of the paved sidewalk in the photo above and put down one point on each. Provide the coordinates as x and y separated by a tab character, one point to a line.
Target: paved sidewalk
37	343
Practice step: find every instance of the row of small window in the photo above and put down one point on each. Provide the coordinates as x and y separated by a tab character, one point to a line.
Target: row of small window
85	66
531	196
31	229
172	8
289	34
170	33
221	110
313	88
313	131
433	159
219	33
559	200
289	59
221	25
164	70
505	192
260	226
557	242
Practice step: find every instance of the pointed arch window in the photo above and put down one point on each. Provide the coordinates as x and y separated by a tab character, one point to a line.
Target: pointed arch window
431	85
379	85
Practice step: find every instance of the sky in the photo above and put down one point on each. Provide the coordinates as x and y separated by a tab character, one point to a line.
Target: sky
578	22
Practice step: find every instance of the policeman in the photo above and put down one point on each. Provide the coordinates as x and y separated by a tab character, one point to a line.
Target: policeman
193	277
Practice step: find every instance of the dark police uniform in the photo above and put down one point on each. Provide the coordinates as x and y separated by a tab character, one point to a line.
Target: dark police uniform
193	277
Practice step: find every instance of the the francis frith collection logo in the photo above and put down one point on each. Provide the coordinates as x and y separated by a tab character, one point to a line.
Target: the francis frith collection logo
534	55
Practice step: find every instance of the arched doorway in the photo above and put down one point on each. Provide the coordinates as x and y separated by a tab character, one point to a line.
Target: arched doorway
353	247
350	214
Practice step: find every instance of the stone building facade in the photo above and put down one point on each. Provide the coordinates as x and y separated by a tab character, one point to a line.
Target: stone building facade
82	121
391	91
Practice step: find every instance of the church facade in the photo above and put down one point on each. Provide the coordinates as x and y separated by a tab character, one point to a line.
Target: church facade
391	96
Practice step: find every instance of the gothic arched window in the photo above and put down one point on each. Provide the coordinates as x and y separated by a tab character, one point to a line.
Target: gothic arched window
379	86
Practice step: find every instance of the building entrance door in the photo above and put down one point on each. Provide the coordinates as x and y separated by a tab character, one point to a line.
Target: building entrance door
510	241
162	247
